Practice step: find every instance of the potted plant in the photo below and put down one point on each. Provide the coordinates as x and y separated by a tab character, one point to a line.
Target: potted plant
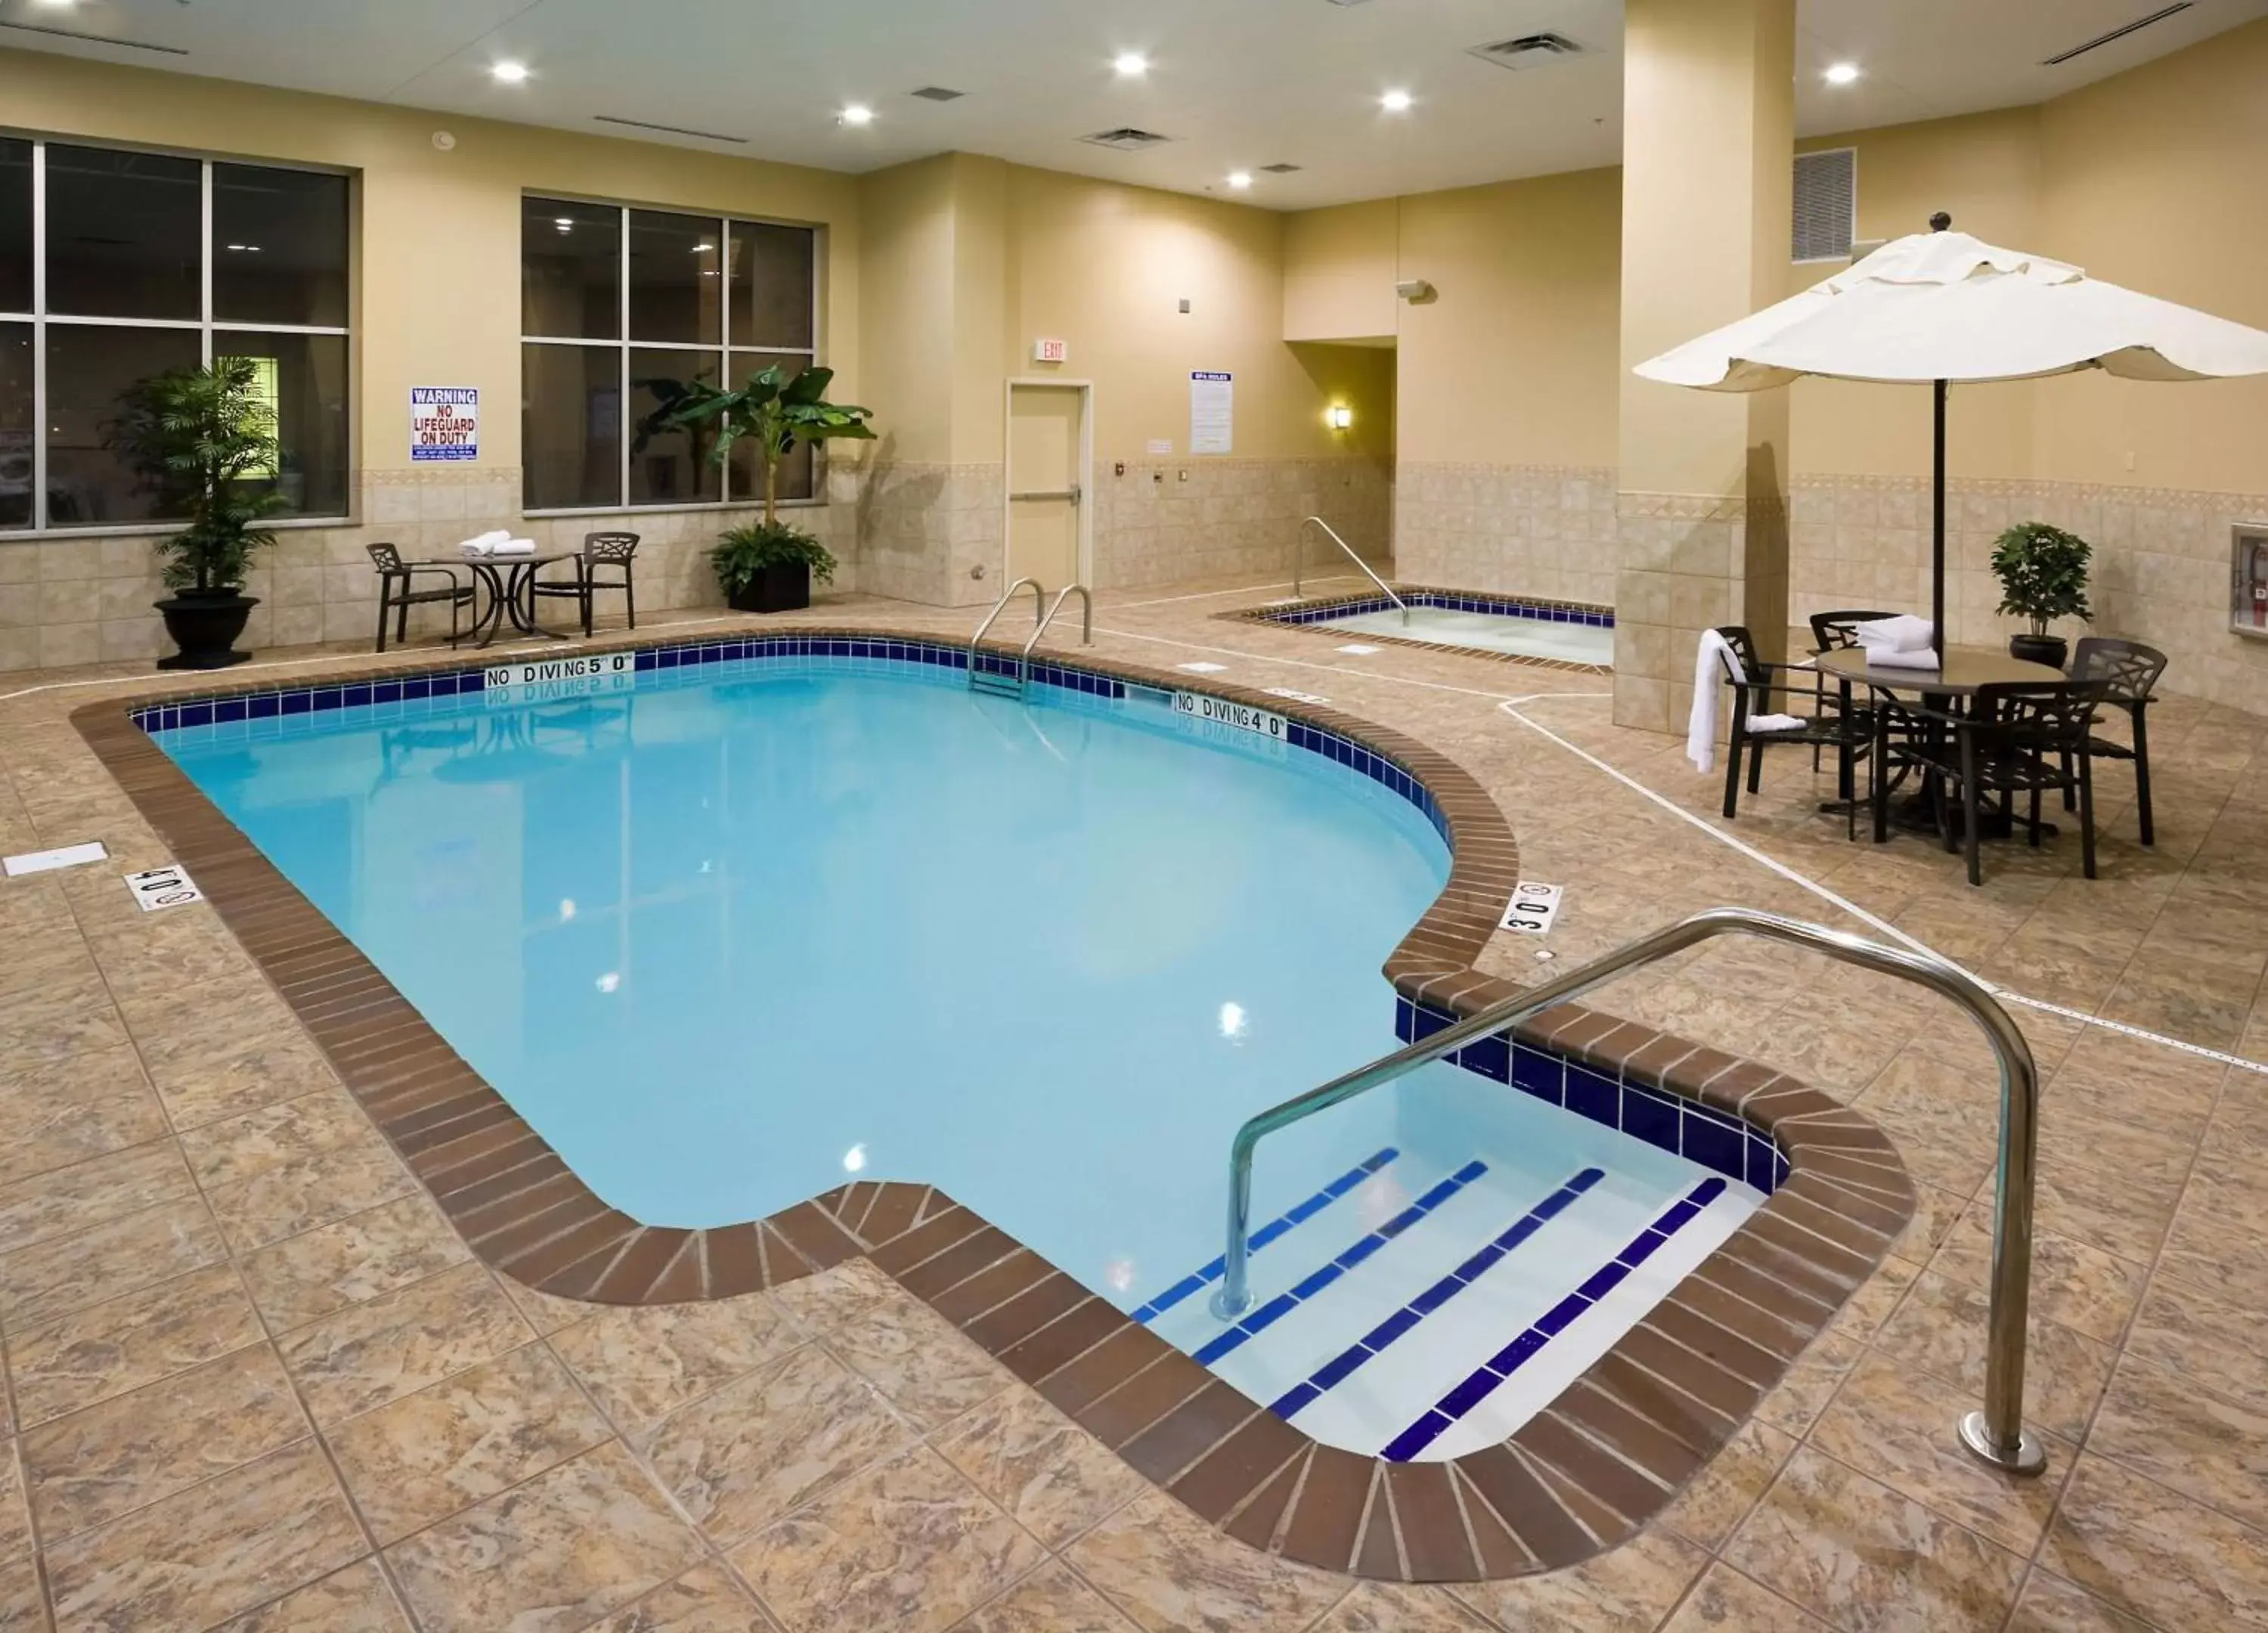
203	439
2043	574
767	566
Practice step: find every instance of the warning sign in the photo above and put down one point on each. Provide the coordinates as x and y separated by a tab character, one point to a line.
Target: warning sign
445	423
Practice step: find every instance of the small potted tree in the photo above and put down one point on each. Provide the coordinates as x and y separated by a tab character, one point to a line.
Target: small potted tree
203	441
767	566
2043	574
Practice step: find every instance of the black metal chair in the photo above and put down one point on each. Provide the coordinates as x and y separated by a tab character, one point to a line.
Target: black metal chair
398	590
1754	686
2130	670
1833	632
2017	738
602	566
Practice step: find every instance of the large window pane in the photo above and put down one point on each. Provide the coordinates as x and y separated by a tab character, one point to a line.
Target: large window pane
15	424
15	226
570	426
672	467
279	246
305	378
122	233
771	285
675	292
570	269
795	472
90	371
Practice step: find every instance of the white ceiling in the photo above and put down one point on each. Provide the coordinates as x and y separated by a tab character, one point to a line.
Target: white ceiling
1240	84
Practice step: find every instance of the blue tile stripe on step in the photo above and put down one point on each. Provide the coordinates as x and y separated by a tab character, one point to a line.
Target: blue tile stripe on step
1343	1365
1283	1303
1299	1215
1483	1381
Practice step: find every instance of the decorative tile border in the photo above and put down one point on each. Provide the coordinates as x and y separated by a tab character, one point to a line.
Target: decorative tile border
1311	617
1583	1475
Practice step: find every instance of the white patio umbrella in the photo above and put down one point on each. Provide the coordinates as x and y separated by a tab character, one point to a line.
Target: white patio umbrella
1941	307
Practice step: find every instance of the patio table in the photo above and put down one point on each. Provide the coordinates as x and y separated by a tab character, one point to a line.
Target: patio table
510	581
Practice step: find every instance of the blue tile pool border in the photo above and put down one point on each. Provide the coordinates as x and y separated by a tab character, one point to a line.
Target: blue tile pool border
1317	615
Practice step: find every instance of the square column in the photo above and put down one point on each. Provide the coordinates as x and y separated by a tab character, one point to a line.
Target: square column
1708	158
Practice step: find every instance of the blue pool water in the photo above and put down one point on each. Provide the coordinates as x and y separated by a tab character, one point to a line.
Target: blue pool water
729	935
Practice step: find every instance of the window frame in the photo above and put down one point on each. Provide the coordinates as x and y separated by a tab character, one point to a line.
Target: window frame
204	324
624	344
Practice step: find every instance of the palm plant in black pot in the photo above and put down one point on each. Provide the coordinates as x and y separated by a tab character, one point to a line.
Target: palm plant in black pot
204	441
2043	574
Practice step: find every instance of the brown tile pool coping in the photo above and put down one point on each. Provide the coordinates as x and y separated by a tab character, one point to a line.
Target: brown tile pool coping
1274	613
1584	1474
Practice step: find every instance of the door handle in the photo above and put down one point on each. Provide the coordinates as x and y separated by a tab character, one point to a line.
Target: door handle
1049	493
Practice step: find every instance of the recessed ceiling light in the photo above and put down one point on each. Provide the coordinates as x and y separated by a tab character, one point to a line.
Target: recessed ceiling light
1239	178
1130	64
1841	73
510	73
856	114
1395	101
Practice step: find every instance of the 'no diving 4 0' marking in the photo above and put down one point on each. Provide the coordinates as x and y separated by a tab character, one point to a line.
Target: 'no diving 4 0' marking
1532	907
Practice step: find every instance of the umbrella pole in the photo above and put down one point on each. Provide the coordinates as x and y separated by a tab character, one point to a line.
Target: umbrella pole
1937	520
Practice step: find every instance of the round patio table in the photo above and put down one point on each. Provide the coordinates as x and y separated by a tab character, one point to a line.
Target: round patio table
510	581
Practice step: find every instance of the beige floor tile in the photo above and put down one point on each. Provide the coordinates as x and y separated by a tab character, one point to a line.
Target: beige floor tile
237	1148
1855	1553
1384	1608
2220	1237
910	1545
1725	1599
15	1512
68	1110
642	1364
1946	1129
56	1020
1717	1499
922	1365
1167	1570
2214	1343
210	1552
773	1440
398	1342
2155	1554
2159	1424
238	1064
148	962
22	1604
705	1599
1052	1477
307	1277
1629	1589
1794	1403
353	1601
2074	1284
561	1551
299	1196
66	1272
1943	1330
545	1311
91	1193
425	1456
2050	1605
1052	1599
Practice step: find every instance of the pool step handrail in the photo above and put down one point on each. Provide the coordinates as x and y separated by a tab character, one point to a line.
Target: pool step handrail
1996	1434
1332	533
981	680
1086	628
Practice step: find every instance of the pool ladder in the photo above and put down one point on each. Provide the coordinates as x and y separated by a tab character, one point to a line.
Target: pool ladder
1013	682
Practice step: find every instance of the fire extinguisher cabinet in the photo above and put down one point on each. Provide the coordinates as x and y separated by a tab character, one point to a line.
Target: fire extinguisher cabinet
2248	580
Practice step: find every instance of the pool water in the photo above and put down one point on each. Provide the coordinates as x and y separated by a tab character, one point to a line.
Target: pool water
1489	632
730	936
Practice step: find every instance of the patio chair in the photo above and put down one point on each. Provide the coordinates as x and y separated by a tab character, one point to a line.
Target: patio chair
2128	669
1833	632
398	590
1753	687
602	566
2018	737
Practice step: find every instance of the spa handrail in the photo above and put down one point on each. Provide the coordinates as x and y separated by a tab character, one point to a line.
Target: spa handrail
1297	551
1996	1434
1085	624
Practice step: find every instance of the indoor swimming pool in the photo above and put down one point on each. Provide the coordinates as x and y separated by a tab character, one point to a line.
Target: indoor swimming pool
728	934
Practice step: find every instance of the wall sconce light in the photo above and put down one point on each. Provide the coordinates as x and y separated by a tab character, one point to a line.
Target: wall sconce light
1338	416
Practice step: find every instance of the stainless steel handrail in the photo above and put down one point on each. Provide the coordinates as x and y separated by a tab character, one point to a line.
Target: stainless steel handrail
1039	614
1351	555
1996	1435
1086	625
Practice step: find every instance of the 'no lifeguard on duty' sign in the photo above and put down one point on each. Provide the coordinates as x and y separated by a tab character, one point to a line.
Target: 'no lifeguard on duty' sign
445	423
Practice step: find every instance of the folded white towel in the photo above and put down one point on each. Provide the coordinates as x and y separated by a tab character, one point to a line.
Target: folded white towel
513	547
484	544
1777	723
1713	661
1885	657
1904	633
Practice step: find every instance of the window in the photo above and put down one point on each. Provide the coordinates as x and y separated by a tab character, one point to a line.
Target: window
116	266
619	307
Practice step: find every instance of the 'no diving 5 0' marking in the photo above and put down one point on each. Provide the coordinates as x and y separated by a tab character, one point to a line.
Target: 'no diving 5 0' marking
1532	907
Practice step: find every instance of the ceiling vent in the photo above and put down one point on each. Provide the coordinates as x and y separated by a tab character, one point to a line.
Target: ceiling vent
1528	51
94	39
937	93
673	131
1127	139
1826	205
1279	170
2120	32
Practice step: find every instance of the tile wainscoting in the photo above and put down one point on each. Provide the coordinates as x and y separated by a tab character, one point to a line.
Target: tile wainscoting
1545	530
1173	522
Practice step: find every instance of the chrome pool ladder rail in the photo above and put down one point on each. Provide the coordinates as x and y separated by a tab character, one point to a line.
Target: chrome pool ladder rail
1332	535
1994	1435
981	680
1085	627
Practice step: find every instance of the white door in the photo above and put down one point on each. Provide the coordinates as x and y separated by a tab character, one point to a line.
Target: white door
1047	470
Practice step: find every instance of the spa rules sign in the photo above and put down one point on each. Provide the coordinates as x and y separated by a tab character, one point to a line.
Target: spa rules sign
445	423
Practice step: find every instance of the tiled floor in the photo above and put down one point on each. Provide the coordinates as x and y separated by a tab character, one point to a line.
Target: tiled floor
255	1381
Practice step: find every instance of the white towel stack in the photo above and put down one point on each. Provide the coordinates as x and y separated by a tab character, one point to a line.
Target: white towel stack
497	541
1904	642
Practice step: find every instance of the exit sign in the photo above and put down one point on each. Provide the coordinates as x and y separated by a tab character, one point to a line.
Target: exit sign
1051	352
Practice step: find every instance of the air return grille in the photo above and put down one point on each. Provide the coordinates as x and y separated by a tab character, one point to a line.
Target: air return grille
1826	205
937	93
673	130
1528	50
1127	139
2120	32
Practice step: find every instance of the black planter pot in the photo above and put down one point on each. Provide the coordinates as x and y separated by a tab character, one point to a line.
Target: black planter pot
785	588
205	627
2051	650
